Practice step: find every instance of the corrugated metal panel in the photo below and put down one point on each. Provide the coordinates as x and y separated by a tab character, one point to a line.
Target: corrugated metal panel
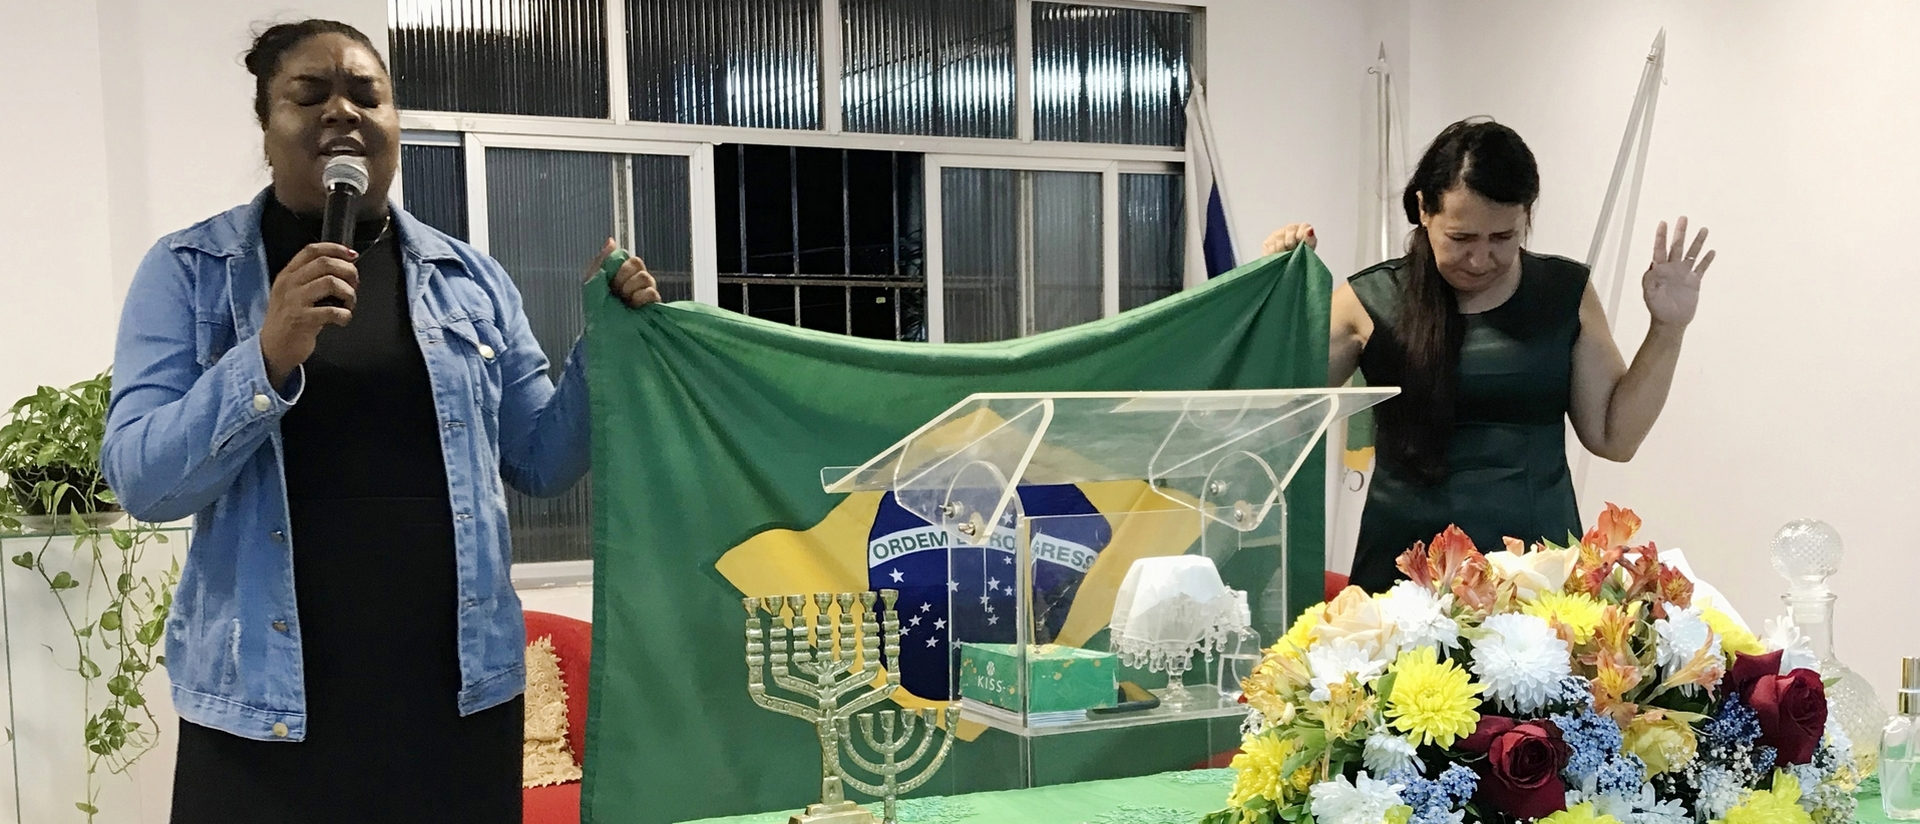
663	222
1153	238
1110	75
980	213
434	186
538	57
547	214
1065	238
928	67
749	63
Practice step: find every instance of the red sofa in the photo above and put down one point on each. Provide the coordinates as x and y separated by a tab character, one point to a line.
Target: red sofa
573	645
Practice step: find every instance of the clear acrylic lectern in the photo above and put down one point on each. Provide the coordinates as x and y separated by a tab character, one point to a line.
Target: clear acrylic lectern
1045	504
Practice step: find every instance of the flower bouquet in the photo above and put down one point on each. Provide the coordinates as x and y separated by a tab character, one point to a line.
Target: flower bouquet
1569	685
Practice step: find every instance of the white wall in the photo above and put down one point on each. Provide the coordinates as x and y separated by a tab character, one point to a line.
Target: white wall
1789	129
130	119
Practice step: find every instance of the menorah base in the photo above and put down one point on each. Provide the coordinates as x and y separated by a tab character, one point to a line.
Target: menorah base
844	812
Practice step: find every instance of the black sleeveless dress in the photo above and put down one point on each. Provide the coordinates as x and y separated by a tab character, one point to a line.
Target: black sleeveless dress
1507	459
374	577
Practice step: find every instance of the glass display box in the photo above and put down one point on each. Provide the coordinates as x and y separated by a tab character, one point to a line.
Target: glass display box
1099	561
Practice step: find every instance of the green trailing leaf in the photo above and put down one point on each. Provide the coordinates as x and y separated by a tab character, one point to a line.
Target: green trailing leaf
110	620
24	560
89	669
64	580
123	540
84	807
125	583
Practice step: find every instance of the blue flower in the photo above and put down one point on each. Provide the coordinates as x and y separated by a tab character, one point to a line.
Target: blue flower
1735	723
1571	695
1621	776
1435	801
1594	738
1458	783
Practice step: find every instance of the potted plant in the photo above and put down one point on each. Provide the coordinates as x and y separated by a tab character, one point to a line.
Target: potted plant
50	451
111	599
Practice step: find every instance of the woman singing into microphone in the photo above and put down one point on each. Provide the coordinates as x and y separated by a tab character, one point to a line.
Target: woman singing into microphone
345	644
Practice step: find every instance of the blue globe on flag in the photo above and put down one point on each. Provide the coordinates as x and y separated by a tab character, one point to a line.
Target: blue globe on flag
952	593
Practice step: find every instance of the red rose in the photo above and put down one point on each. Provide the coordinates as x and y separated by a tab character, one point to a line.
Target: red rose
1792	707
1521	776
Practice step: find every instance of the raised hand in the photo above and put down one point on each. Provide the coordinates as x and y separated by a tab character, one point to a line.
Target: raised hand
1286	237
633	284
1672	283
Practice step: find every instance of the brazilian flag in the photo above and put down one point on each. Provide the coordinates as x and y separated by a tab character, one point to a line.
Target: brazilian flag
710	430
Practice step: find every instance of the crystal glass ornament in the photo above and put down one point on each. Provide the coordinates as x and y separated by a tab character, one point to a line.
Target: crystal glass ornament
1807	552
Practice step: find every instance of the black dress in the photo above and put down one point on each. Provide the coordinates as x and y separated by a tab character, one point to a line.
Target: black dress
374	575
1507	458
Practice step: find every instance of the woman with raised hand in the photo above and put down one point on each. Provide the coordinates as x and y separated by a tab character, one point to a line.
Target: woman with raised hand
1494	348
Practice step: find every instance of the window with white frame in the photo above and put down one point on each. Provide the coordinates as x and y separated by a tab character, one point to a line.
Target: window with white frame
905	169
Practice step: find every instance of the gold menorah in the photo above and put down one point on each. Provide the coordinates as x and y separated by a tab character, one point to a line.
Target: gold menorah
824	661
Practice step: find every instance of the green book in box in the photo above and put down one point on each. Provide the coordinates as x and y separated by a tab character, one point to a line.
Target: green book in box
1063	678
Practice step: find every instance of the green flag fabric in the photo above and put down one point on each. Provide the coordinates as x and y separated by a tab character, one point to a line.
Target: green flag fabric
710	430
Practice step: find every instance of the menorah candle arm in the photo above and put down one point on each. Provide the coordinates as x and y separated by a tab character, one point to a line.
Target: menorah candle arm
868	700
783	706
933	766
877	791
796	685
924	742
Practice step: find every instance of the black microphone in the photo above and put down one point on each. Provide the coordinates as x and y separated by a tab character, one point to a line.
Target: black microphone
345	180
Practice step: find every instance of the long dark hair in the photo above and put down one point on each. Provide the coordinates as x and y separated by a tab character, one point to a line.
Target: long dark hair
1491	160
273	43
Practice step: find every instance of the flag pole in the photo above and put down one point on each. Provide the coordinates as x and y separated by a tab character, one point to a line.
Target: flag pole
1638	135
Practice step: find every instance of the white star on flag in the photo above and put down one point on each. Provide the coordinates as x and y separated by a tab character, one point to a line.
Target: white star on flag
983	599
953	586
915	620
993	619
898	576
993	584
932	641
926	607
940	623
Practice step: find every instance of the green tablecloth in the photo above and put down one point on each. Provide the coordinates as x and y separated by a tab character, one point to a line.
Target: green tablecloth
1168	798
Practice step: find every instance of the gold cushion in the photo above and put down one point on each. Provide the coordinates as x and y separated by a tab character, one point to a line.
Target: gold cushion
546	758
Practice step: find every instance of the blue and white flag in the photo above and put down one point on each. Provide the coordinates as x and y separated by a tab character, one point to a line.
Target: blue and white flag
1209	244
952	593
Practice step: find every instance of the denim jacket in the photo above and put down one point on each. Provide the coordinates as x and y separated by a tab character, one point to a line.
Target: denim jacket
194	429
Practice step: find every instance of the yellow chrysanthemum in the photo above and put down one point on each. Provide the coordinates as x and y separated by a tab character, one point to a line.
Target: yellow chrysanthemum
1578	611
1433	700
1579	814
1298	636
1733	637
1781	805
1258	769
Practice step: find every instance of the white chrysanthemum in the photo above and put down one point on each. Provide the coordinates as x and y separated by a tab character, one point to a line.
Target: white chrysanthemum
1331	663
1520	660
1420	618
1365	801
1795	648
1682	633
1386	752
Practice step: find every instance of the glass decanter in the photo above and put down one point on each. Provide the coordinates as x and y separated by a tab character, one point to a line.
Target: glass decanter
1806	552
